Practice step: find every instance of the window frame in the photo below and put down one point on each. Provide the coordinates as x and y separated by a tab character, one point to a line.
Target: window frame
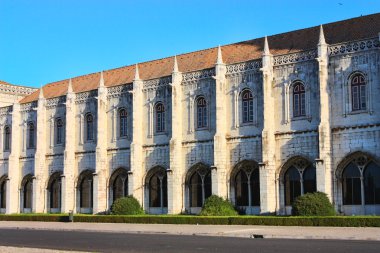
159	118
59	131
89	136
31	130
298	100
122	123
7	138
201	114
247	115
359	85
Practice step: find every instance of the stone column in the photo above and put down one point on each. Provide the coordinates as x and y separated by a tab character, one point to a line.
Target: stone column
137	166
267	169
101	168
219	179
176	172
13	185
69	166
324	163
40	170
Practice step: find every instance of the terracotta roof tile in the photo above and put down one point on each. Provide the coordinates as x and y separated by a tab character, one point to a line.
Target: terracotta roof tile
289	42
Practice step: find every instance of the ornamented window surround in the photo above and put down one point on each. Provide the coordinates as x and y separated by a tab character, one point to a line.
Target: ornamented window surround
195	115
192	119
7	147
347	95
154	120
239	106
85	128
289	102
31	144
55	136
126	135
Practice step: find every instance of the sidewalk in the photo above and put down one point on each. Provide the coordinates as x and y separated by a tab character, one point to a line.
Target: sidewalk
337	233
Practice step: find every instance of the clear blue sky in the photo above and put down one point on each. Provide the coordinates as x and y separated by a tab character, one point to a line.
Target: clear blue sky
46	41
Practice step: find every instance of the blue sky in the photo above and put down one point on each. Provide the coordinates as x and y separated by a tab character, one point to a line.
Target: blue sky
50	40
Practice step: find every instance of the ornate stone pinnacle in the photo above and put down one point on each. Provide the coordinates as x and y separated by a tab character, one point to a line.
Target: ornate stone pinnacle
219	59
101	82
137	75
175	67
322	40
266	46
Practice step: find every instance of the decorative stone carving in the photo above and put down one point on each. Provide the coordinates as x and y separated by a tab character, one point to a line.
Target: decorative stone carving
352	47
294	58
243	67
198	75
119	91
5	110
155	84
85	97
54	102
28	107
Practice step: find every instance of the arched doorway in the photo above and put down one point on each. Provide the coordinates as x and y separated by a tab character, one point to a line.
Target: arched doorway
3	193
85	192
359	183
298	177
245	187
118	186
27	194
198	186
156	190
54	193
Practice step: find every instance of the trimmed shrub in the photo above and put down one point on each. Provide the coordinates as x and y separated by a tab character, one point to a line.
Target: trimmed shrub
313	204
217	206
127	206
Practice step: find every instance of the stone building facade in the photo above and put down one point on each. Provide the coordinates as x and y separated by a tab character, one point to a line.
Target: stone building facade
258	122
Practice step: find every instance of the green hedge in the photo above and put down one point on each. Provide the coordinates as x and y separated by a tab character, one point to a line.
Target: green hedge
333	221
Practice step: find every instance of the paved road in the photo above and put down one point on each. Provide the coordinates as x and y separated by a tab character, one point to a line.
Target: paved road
123	242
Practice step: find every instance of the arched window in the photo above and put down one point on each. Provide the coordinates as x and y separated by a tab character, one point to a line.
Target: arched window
158	189
28	192
199	186
351	185
299	181
59	131
7	138
31	135
3	193
372	184
123	122
358	93
90	127
299	102
201	113
119	184
86	190
54	189
247	106
160	117
247	187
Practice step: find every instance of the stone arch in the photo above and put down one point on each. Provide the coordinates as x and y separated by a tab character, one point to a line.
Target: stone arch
198	186
26	198
85	192
3	193
245	186
156	190
358	184
118	184
54	190
297	176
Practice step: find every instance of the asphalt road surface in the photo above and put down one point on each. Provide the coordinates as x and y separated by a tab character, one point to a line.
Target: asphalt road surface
123	242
